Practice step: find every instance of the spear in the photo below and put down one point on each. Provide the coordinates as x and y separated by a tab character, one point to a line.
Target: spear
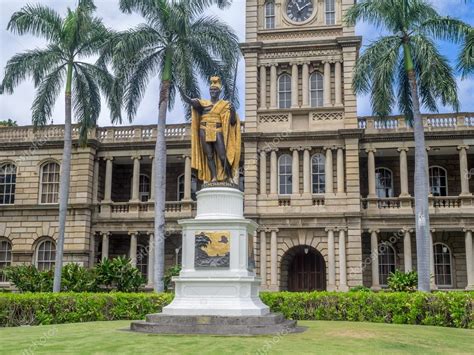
232	98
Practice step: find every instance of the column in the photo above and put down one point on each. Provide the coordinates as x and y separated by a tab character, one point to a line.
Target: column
331	260
329	171
374	255
327	85
371	172
263	87
338	80
151	256
469	260
273	87
305	85
263	172
274	260
342	262
407	257
307	170
295	170
108	179
95	189
340	171
294	85
105	246
263	258
136	178
403	172
187	178
92	252
432	268
133	248
152	179
273	172
464	170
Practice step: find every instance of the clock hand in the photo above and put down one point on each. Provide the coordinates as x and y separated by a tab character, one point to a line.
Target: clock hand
307	4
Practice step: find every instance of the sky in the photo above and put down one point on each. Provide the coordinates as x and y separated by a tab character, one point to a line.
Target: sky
17	106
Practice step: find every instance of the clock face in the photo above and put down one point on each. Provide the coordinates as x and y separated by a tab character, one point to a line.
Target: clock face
299	10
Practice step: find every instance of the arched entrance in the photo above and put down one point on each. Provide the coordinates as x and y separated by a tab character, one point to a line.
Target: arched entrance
303	269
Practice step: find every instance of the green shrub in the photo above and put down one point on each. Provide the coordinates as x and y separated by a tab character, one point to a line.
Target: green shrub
169	274
75	278
28	278
58	308
360	289
118	274
403	282
448	309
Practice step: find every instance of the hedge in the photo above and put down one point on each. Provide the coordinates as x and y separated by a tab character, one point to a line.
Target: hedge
59	308
448	309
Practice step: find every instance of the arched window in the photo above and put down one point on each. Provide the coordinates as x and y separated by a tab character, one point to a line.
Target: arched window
284	91
144	188
442	265
330	12
285	174
270	14
5	256
181	187
384	182
318	173
142	259
387	262
50	183
45	255
438	181
316	87
7	184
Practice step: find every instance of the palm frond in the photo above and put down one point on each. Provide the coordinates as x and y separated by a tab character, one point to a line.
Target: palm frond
38	20
446	29
46	96
33	63
466	58
436	77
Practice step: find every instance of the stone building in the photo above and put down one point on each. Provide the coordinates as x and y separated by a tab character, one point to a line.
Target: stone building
332	192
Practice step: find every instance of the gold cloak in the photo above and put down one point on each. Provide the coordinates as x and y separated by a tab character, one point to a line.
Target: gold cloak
232	141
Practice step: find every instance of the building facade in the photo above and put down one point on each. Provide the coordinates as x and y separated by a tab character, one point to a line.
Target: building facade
332	192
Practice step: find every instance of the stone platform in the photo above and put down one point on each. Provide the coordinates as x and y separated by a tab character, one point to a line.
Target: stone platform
216	325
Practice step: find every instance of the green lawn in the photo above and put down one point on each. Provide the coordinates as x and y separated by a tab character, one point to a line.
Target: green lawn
320	337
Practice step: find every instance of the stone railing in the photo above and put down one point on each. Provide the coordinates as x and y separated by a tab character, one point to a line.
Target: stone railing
438	203
143	209
442	121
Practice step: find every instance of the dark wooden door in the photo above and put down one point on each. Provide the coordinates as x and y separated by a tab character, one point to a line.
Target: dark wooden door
307	272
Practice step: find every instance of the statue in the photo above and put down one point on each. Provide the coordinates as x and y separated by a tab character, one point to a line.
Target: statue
215	136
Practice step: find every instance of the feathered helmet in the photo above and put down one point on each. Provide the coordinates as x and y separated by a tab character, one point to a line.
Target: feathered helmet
216	82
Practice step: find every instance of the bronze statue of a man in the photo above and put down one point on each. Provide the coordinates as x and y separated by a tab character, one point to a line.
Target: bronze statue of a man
215	136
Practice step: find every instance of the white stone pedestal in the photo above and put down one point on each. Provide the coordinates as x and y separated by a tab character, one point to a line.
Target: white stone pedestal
232	290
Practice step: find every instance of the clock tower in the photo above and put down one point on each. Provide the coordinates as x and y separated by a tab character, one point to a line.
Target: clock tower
301	138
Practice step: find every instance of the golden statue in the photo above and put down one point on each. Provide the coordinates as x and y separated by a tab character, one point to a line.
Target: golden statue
215	136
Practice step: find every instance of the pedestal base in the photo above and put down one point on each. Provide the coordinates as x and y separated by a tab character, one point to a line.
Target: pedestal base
216	325
217	296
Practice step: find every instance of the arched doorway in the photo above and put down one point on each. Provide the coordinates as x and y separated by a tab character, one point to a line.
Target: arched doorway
304	269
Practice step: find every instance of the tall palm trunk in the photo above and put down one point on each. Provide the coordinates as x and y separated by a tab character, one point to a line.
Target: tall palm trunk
422	218
160	175
64	182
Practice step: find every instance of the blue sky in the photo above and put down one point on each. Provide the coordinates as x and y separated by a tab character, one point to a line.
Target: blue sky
17	106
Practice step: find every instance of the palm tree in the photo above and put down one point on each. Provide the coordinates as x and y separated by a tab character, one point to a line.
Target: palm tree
407	59
177	45
466	59
71	39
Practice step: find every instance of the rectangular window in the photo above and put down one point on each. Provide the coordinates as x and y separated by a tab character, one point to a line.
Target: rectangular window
269	15
330	12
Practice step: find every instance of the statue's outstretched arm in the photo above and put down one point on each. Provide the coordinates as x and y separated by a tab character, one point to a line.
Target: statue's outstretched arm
233	115
193	102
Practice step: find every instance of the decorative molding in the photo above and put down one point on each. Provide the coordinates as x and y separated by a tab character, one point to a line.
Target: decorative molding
327	116
274	118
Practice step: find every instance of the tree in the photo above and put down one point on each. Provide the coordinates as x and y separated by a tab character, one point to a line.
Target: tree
407	59
71	39
466	59
177	45
8	123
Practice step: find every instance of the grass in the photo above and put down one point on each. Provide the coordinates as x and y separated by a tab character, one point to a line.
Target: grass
320	337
